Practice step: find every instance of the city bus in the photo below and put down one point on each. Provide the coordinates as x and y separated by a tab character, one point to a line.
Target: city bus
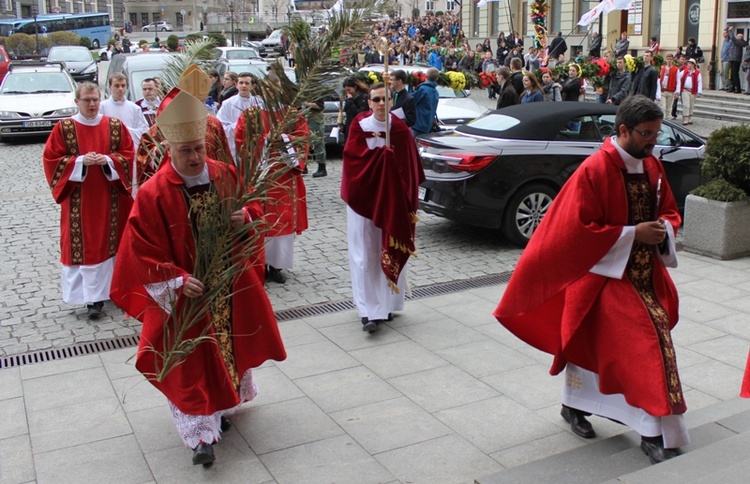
95	26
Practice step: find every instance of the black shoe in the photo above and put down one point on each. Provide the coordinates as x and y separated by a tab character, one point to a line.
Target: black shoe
578	423
275	275
369	326
203	454
304	172
653	447
390	317
95	311
321	172
225	424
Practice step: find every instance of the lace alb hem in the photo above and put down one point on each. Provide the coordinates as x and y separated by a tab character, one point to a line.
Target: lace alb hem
164	293
194	429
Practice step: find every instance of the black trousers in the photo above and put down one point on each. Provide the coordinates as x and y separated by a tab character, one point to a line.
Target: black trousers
734	76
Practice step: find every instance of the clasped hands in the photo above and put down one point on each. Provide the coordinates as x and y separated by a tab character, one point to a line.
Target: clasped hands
92	158
651	233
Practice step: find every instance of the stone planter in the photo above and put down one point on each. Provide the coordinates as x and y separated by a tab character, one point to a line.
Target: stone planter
717	229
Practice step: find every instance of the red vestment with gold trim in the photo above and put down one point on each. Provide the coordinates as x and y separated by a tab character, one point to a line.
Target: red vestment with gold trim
94	211
616	328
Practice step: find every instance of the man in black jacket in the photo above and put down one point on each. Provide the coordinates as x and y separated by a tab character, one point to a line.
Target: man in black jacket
619	84
402	99
595	48
557	47
506	93
646	79
516	76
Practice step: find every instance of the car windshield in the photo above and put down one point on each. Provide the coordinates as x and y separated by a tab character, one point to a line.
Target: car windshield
36	82
71	55
492	122
242	54
446	92
135	82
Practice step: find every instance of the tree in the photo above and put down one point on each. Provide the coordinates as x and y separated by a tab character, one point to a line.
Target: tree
173	42
21	44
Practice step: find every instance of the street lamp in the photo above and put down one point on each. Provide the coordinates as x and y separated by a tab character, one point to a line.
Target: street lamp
289	15
36	28
231	19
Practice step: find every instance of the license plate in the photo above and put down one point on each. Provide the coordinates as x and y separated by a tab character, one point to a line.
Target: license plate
37	124
422	193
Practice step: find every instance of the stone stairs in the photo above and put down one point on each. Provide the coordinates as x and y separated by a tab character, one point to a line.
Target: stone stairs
719	452
714	105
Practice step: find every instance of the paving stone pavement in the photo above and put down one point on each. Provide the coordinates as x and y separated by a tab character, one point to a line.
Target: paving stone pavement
33	316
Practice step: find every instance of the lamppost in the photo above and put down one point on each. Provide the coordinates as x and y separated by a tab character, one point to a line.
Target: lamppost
36	28
231	19
289	15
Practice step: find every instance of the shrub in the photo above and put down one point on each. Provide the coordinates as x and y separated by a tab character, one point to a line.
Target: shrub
219	40
721	190
3	40
439	13
21	44
193	37
173	42
64	38
85	42
727	158
44	45
140	42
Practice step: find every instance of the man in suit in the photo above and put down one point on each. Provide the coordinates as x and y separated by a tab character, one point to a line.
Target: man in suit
402	99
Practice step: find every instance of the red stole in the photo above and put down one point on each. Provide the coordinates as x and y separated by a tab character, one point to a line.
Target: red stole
93	212
383	187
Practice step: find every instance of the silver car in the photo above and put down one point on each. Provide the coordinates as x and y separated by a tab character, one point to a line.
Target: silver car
34	96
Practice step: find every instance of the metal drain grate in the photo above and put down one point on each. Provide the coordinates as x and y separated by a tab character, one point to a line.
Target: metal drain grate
89	348
122	342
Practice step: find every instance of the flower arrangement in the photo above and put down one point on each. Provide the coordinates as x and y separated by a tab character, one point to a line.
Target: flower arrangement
456	80
539	19
486	79
630	63
417	78
604	67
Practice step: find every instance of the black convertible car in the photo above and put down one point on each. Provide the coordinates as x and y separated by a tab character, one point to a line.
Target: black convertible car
503	169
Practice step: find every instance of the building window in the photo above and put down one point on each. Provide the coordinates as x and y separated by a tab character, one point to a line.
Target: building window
450	5
144	19
430	6
179	20
555	17
156	16
133	18
8	5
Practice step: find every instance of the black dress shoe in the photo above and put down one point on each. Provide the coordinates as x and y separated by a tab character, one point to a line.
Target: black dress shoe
95	311
225	424
369	326
578	423
653	447
203	454
275	275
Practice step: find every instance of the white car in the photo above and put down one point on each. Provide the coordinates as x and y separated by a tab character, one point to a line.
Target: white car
237	57
160	26
34	96
454	106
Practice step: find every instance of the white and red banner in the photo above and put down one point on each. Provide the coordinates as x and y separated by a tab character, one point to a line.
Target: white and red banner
605	6
482	3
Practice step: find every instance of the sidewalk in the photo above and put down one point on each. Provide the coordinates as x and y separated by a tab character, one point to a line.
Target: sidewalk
441	394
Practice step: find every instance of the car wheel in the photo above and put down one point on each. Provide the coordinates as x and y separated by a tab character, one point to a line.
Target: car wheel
145	29
525	211
163	29
95	44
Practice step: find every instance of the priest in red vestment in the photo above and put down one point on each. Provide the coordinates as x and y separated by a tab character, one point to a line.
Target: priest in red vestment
154	281
87	164
380	185
151	148
592	288
285	206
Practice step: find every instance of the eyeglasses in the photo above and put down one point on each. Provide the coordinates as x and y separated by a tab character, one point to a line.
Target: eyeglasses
649	134
89	100
378	99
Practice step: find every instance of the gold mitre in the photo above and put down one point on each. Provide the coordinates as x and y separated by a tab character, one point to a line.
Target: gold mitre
195	81
183	118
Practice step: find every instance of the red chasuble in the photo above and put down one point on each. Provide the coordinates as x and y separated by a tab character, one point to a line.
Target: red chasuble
158	246
616	328
383	186
286	204
148	156
93	212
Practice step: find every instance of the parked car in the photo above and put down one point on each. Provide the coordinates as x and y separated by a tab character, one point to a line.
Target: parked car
273	45
160	26
237	57
455	107
502	170
78	61
136	68
4	63
34	96
253	44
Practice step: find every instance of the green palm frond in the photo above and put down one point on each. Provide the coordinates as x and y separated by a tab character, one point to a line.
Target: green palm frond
200	52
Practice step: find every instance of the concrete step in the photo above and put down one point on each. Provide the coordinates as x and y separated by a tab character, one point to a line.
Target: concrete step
611	459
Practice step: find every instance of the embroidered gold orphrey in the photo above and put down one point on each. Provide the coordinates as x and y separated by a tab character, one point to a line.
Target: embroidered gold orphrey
640	273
